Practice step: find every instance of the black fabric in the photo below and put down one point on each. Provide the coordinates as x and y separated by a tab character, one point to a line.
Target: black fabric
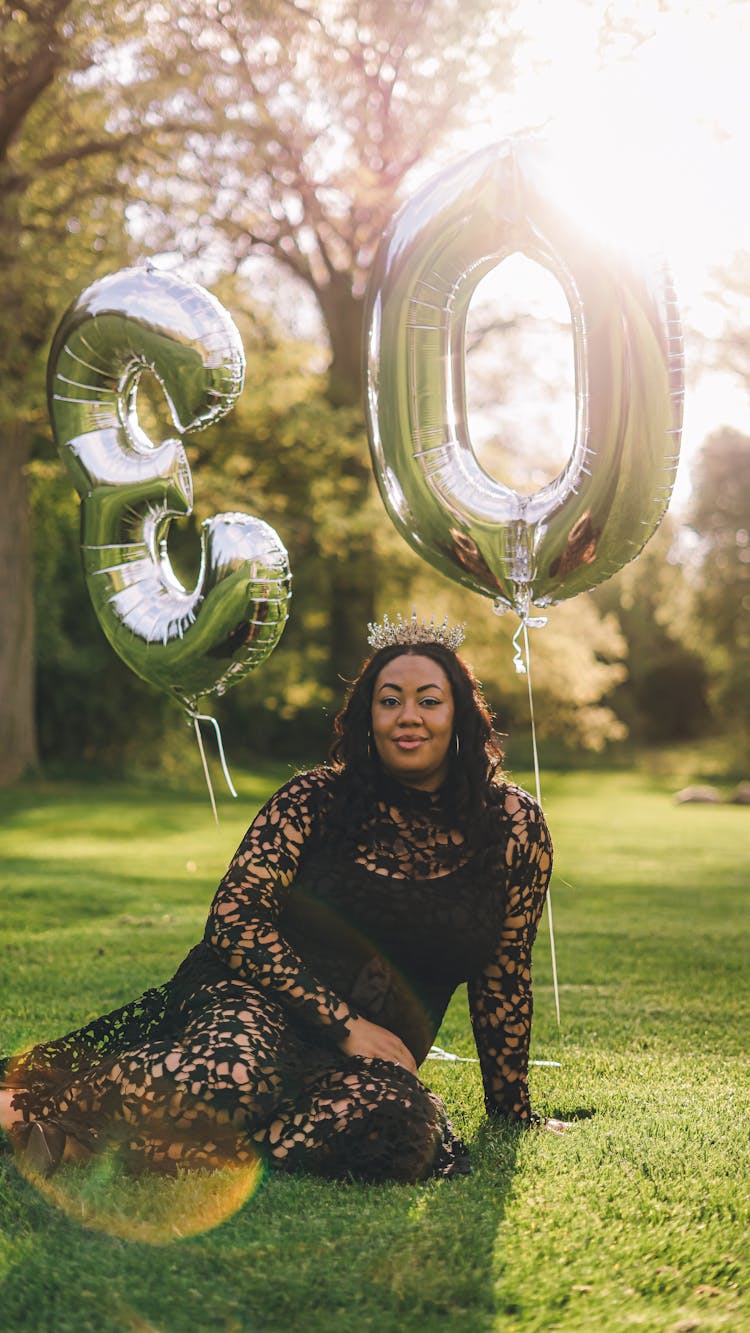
238	1055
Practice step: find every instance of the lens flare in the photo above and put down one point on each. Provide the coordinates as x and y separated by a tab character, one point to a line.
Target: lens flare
102	1194
153	1210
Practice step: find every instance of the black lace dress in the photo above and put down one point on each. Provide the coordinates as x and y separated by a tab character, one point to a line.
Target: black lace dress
238	1055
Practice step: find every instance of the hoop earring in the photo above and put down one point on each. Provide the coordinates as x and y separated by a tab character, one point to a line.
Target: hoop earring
458	743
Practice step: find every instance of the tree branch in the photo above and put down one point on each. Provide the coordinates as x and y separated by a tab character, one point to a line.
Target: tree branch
110	145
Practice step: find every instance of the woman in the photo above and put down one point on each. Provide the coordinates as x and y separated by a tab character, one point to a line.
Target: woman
363	893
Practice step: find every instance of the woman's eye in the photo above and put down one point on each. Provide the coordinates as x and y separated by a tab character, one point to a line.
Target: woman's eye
393	701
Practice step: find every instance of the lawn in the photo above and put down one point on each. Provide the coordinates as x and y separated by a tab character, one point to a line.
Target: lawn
636	1219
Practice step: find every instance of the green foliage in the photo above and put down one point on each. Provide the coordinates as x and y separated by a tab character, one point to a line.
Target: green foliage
305	126
268	130
63	212
284	455
665	694
720	515
71	122
91	709
636	1218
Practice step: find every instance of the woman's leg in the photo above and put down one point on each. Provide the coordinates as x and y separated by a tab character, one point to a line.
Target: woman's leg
191	1099
29	1080
228	1086
369	1121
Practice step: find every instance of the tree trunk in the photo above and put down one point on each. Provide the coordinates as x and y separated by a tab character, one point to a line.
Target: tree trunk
18	748
352	607
343	314
354	577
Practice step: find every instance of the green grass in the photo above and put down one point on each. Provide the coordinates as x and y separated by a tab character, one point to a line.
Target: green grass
636	1219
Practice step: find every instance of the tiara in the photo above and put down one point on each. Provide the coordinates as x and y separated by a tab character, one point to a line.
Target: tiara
387	633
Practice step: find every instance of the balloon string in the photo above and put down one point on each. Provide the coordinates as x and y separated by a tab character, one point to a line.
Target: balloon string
206	717
525	668
437	1053
518	661
527	652
205	768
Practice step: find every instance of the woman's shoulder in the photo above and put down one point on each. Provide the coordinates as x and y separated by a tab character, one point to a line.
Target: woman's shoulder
298	801
521	822
512	801
309	785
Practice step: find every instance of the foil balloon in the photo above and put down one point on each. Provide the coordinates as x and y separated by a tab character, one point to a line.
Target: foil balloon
188	642
600	510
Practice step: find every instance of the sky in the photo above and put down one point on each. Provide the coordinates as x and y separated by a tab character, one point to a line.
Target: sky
652	142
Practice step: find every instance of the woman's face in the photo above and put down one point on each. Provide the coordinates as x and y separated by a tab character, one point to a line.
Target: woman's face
412	721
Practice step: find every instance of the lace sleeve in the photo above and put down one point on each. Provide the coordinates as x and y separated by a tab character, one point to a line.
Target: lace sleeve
500	1000
242	923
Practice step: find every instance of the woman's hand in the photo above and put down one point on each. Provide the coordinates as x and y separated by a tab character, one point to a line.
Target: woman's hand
369	1039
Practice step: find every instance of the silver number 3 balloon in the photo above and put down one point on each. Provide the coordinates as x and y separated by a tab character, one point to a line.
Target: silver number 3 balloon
189	643
598	513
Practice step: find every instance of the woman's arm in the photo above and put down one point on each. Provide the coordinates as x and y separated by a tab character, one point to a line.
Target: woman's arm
242	923
500	999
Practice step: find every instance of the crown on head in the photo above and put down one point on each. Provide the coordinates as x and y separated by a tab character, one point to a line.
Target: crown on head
387	632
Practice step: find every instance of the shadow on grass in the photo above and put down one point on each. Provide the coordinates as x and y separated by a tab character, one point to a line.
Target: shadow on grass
300	1254
83	892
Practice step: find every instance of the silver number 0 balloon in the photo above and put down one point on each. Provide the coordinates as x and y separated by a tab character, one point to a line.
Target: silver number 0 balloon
189	643
598	513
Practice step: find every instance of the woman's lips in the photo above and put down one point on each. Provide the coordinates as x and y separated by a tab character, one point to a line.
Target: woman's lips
409	742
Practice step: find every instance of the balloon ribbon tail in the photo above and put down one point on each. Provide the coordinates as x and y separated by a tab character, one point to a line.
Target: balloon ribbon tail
526	669
205	768
205	717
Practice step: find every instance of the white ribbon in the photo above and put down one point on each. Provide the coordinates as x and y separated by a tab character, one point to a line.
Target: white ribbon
437	1053
206	717
525	669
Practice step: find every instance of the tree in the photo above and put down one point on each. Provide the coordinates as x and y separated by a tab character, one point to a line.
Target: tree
720	515
308	123
43	132
664	696
71	120
258	129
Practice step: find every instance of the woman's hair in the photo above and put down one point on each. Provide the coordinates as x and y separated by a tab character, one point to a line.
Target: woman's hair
474	761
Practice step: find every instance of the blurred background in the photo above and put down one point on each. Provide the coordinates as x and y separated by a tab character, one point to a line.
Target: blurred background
261	149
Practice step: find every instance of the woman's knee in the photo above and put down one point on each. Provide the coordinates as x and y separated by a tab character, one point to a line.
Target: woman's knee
390	1128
